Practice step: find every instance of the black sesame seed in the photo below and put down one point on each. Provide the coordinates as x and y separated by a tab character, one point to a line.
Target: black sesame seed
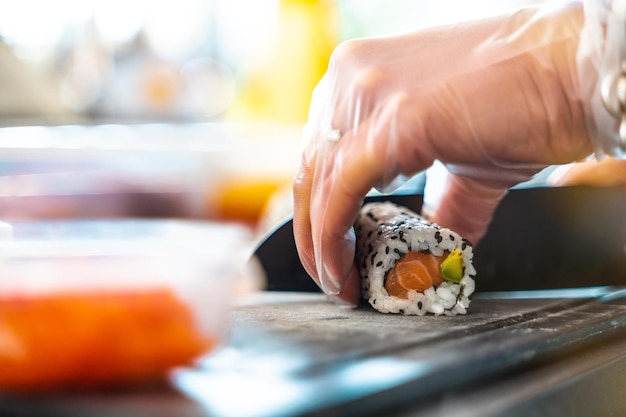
396	250
463	246
451	237
420	305
380	263
438	236
387	250
401	311
393	237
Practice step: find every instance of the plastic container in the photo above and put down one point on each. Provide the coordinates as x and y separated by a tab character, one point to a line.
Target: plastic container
192	171
88	304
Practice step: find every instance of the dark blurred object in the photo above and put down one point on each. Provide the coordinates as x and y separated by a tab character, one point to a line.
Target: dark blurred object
555	238
540	238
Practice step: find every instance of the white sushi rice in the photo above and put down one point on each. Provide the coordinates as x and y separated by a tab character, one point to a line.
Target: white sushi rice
385	232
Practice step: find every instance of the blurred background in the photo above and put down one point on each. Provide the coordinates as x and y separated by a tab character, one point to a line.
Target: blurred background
187	108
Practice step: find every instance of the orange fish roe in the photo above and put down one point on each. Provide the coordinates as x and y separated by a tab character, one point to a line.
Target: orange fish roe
94	340
414	271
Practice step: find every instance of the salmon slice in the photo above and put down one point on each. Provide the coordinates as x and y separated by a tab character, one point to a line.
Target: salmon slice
414	271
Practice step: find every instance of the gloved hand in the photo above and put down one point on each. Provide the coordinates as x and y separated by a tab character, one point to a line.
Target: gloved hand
494	100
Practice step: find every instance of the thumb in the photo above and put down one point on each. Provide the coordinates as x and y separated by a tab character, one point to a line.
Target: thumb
466	205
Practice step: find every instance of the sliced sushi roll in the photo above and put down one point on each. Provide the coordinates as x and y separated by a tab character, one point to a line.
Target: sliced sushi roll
411	266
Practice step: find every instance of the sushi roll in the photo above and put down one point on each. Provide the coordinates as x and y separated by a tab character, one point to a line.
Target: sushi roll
409	265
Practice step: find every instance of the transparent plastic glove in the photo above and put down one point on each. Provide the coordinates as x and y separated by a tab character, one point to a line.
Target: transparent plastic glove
494	100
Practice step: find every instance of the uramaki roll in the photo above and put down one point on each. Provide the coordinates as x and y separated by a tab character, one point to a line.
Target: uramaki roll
411	266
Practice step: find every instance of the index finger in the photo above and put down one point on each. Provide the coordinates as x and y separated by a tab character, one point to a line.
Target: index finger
301	219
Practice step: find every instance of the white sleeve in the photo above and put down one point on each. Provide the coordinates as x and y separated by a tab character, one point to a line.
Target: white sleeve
602	75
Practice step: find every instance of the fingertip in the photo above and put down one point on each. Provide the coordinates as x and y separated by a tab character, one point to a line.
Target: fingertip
467	206
350	293
336	260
